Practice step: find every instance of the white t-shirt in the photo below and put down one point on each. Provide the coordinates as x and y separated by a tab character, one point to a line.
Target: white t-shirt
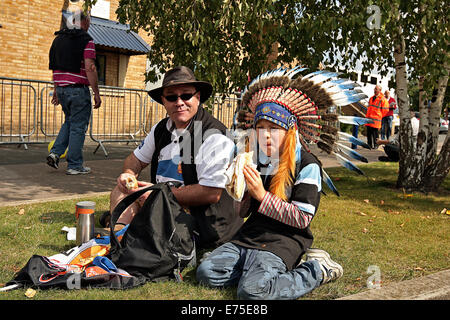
213	158
415	130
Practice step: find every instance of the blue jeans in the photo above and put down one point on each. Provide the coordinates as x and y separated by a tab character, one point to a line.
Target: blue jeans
258	274
77	107
386	127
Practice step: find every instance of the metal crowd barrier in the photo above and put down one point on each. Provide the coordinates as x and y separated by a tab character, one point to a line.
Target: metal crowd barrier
119	119
18	111
27	115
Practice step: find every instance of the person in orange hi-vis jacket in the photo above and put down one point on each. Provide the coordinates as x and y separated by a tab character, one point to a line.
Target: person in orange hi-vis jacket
377	109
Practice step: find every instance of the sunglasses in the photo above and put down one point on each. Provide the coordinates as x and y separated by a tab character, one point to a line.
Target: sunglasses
184	96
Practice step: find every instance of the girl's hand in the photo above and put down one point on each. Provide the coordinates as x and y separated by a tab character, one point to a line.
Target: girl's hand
254	183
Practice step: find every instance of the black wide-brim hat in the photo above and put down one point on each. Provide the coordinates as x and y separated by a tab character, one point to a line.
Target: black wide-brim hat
178	76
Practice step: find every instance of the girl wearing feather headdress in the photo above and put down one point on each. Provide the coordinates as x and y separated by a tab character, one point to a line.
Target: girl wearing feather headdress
264	259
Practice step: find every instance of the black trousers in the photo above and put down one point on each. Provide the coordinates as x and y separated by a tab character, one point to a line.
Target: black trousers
372	136
392	151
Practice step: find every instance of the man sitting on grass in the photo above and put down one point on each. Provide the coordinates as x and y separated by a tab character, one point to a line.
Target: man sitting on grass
392	146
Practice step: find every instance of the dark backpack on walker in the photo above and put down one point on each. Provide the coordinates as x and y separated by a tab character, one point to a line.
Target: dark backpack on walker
159	241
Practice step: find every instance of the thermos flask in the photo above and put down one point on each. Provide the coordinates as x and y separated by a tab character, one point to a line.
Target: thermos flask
85	221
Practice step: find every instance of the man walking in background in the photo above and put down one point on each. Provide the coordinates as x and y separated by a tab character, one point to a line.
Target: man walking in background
72	59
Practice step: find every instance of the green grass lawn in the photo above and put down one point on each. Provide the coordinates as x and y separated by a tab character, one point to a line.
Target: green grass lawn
370	226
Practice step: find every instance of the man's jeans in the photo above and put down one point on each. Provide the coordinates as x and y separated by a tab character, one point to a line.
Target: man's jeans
258	274
386	127
77	107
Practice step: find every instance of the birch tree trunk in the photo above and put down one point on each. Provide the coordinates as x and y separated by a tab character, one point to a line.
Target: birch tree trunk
421	168
437	166
409	165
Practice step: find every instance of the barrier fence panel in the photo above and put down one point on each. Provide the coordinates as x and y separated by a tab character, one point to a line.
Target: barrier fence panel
18	107
27	115
152	113
119	119
224	108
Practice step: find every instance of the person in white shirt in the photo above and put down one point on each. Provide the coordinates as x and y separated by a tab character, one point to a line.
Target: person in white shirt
189	147
392	147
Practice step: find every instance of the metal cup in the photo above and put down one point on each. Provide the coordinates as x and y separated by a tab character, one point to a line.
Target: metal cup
85	221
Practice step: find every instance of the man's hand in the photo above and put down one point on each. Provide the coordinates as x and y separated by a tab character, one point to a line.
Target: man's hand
55	100
97	100
122	183
254	183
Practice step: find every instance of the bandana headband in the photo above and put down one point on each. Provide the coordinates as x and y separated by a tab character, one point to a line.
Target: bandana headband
275	113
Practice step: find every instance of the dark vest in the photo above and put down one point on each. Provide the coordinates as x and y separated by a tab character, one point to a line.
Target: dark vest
216	223
66	52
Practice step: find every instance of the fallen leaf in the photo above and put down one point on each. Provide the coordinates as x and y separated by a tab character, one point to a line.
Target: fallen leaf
21	212
444	211
358	279
30	293
381	202
27	228
370	220
365	230
418	269
401	226
366	200
361	213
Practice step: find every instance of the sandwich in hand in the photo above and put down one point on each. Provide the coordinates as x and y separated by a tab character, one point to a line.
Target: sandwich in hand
131	182
236	185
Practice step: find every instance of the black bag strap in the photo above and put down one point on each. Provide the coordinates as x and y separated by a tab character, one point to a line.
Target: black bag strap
127	201
121	206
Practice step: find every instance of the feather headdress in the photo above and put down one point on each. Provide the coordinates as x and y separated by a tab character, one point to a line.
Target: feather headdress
301	103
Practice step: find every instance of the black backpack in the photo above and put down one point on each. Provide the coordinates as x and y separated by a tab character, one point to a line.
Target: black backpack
159	242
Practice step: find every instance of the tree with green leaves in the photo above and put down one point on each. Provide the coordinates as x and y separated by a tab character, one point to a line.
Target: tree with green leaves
228	41
412	37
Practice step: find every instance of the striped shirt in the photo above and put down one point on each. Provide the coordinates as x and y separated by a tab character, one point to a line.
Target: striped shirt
64	78
299	213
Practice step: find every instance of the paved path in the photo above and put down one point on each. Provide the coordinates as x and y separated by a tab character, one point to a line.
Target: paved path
26	178
432	287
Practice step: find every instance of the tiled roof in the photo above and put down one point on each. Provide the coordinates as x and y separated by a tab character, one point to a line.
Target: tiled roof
116	35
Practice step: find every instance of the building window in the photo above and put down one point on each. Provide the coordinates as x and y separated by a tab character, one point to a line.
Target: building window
364	78
101	69
373	80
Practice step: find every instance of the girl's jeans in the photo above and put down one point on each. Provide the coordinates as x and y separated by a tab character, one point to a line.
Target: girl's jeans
258	274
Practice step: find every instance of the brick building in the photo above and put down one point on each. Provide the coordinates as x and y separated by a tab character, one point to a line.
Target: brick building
27	31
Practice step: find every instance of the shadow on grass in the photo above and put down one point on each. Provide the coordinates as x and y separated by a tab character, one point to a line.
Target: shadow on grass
379	187
56	248
57	217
